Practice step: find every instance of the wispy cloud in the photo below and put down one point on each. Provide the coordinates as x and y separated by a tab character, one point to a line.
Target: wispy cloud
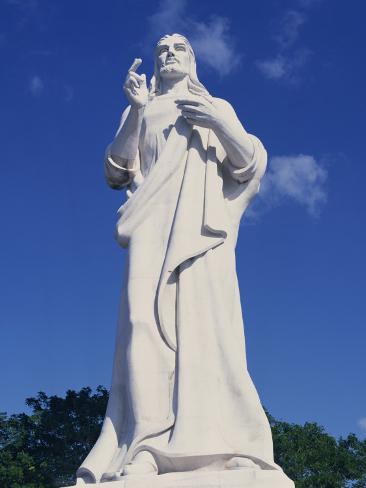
282	67
167	17
274	68
211	40
362	423
214	46
289	59
288	28
300	179
36	86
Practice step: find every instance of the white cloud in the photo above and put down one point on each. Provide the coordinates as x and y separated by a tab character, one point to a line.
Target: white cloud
282	67
289	28
274	68
211	41
213	45
362	423
288	60
167	18
36	86
298	178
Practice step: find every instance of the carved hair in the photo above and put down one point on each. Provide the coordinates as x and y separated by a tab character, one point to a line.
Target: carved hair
194	85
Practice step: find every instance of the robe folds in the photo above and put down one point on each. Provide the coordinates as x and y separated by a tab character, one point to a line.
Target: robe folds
180	387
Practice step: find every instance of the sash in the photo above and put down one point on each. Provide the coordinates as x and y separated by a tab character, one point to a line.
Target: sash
200	221
170	164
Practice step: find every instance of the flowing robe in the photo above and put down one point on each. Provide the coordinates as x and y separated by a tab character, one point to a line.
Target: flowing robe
180	388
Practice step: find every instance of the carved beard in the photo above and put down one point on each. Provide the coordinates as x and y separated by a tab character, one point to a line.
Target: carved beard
171	68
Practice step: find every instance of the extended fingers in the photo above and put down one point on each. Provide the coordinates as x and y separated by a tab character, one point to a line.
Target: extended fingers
188	113
135	64
193	115
191	108
187	101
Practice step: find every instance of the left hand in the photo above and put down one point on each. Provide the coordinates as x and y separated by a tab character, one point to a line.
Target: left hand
199	111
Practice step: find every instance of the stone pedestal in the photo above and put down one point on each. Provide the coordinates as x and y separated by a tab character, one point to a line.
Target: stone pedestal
248	478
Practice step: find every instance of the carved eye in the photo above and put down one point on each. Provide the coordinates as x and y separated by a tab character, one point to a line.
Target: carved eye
162	50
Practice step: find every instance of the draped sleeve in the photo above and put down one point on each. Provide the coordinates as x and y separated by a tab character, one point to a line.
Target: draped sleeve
257	163
115	169
239	185
255	167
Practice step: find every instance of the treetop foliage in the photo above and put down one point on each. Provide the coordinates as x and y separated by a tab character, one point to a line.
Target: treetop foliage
44	449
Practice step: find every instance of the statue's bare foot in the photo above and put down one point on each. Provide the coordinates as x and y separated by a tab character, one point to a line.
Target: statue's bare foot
241	463
143	464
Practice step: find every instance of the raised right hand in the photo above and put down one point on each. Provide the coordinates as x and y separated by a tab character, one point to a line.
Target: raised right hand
135	86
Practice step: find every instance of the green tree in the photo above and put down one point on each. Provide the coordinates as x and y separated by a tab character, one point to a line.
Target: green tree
315	459
44	449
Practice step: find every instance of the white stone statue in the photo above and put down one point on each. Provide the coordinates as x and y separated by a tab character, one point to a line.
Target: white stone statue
183	410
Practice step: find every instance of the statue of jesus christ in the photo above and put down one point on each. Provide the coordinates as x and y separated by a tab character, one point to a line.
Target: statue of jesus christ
181	398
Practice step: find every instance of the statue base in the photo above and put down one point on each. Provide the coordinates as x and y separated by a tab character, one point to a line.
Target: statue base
240	478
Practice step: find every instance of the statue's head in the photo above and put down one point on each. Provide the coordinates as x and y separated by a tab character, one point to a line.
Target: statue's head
175	59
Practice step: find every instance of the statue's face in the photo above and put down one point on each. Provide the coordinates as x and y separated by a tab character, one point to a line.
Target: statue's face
172	57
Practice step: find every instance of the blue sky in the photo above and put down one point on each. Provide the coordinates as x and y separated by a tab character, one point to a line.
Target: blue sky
293	70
